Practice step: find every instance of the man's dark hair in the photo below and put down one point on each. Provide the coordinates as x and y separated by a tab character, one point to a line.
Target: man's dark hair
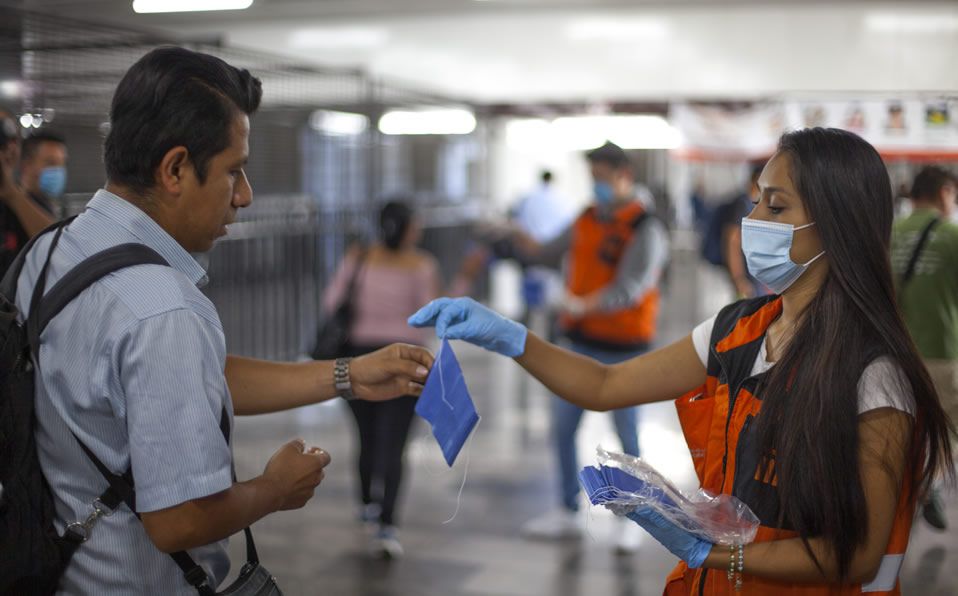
546	176
174	97
609	153
929	182
31	144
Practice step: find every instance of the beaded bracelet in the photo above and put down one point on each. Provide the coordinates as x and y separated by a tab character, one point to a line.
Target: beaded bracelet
736	565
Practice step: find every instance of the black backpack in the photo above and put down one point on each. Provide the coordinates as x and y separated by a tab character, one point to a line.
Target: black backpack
33	556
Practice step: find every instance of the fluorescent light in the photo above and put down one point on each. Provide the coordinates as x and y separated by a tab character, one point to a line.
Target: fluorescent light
10	88
890	22
149	6
452	121
339	38
338	123
617	30
642	131
580	133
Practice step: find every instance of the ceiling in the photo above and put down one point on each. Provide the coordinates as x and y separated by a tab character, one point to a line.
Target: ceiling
526	51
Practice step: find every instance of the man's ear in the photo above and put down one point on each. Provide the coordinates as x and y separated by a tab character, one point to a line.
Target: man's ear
172	168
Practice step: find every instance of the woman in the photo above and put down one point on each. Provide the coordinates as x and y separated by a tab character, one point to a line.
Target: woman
811	406
394	278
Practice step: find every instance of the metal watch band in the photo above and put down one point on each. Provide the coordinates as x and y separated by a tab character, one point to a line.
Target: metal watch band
341	378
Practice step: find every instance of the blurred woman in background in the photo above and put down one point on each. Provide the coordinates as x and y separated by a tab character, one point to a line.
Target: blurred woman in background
393	278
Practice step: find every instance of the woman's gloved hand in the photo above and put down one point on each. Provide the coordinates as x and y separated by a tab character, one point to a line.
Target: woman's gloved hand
466	319
688	547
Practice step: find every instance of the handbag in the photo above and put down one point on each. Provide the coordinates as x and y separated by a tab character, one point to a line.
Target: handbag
333	335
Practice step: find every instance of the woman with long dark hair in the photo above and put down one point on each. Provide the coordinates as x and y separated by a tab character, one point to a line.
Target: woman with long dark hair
393	278
811	406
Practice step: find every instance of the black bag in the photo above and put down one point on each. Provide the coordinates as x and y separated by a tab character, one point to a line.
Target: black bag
333	335
33	555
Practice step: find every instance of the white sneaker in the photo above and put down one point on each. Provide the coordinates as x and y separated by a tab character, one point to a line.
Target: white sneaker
557	524
386	543
369	517
629	536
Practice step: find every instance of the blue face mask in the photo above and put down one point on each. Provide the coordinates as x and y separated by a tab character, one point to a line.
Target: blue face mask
445	403
766	246
603	192
53	180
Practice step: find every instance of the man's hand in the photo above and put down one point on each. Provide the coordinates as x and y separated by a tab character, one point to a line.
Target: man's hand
399	369
294	472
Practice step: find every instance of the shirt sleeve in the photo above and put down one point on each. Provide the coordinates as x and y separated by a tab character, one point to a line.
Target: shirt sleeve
883	384
551	254
701	336
640	268
172	371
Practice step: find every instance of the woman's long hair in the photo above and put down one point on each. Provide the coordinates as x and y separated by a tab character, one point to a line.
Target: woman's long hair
809	421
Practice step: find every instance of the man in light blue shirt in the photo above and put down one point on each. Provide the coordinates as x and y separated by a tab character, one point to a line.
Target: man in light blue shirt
136	366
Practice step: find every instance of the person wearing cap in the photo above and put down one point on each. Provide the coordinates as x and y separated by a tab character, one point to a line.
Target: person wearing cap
614	251
20	216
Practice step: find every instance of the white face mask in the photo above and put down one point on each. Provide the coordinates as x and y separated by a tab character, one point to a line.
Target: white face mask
767	246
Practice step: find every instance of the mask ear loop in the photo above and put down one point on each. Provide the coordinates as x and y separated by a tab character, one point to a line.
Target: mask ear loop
432	472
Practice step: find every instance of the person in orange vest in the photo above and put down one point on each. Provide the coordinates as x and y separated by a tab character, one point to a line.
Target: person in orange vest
614	254
812	406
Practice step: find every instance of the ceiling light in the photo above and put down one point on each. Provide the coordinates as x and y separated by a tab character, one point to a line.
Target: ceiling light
641	131
339	38
452	121
617	30
150	6
338	123
10	88
889	22
26	120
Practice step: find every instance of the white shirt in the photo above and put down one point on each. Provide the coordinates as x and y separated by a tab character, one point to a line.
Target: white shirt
882	384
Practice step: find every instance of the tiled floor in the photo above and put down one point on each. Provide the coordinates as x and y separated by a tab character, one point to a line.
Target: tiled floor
322	549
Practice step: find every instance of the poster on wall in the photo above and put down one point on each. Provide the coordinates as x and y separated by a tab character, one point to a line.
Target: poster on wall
937	114
918	128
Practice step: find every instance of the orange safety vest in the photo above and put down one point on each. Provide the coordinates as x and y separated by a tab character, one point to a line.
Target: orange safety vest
716	420
597	247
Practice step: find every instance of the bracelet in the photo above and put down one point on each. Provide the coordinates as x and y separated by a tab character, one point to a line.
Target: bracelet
736	565
341	378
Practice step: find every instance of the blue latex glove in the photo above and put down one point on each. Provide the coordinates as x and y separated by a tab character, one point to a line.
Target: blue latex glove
688	547
466	319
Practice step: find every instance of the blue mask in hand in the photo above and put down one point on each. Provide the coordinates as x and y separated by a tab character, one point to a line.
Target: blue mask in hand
445	403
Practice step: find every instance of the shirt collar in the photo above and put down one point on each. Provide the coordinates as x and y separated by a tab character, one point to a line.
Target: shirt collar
131	218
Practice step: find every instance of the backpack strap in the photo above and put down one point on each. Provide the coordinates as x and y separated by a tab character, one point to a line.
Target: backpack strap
8	286
81	277
916	253
122	486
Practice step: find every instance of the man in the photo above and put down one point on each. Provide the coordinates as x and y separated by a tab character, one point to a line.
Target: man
20	217
136	366
43	168
616	253
543	214
924	253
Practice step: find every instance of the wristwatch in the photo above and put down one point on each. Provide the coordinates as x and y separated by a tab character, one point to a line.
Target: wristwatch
341	378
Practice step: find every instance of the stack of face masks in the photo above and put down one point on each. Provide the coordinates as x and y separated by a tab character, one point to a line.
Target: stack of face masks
623	483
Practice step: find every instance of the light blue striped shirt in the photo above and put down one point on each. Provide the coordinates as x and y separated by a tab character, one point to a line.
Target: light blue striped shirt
135	367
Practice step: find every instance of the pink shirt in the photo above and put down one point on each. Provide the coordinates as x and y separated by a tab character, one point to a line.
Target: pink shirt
385	297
